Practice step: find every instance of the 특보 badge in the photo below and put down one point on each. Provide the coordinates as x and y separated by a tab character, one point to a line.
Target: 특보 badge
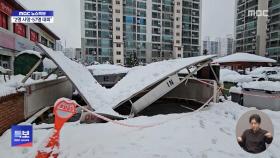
22	135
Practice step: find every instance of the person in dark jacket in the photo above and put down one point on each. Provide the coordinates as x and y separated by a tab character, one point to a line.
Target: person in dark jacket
254	140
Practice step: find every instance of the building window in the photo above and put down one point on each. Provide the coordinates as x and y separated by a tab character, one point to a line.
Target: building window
51	45
118	37
177	41
106	78
118	45
118	20
118	2
178	3
3	20
119	52
179	55
177	26
20	29
179	48
90	33
90	15
90	24
117	11
118	61
34	36
118	28
177	34
178	11
44	41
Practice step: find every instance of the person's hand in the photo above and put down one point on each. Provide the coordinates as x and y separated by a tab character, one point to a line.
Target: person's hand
239	139
268	135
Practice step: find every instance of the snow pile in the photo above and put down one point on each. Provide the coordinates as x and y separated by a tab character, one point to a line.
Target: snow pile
3	70
10	86
48	64
263	85
209	133
243	57
237	90
233	76
107	69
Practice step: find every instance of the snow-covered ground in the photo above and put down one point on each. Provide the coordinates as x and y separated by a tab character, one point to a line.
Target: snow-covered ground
206	134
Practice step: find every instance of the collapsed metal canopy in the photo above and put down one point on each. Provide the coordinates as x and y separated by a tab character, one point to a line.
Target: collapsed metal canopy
105	100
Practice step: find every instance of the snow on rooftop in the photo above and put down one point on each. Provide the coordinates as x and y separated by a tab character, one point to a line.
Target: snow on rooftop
210	133
38	54
263	85
107	69
243	57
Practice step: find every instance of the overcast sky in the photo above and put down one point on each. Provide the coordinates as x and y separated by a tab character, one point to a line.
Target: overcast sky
217	18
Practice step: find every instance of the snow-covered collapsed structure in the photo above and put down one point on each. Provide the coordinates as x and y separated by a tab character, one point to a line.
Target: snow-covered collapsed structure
156	80
241	61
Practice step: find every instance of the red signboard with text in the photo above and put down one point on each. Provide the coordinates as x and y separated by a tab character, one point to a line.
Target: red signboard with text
5	7
3	20
20	29
33	36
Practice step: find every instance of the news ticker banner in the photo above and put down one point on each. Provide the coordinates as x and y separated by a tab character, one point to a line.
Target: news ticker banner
32	16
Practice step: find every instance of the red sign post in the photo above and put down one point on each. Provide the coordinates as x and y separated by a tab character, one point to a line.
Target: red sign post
63	110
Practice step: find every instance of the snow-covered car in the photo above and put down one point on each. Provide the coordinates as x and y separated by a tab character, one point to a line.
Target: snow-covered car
264	73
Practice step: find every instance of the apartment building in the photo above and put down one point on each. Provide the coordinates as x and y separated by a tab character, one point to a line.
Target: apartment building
151	30
250	27
273	30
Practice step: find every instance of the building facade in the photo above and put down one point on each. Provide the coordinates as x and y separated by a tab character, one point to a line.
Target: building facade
230	44
15	37
213	47
273	30
151	30
69	53
250	29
